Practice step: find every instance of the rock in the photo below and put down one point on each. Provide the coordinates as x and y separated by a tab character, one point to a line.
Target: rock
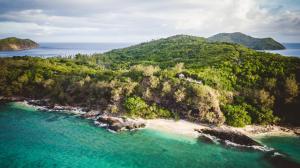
119	124
224	136
4	99
279	160
44	103
91	114
297	131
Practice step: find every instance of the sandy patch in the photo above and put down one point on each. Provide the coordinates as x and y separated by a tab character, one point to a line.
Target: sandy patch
180	127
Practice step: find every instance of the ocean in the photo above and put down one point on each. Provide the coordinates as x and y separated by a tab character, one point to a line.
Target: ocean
31	138
292	49
71	49
65	49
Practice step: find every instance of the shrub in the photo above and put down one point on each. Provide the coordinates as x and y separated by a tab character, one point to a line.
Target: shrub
146	70
178	67
260	116
236	115
206	100
166	88
291	89
179	95
264	99
154	81
116	93
270	83
137	107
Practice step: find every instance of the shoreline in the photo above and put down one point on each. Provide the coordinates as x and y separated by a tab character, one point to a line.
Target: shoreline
179	127
186	128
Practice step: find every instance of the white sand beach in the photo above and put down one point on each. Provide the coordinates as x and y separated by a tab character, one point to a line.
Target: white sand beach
186	128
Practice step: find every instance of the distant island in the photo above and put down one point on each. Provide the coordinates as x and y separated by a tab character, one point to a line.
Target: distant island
16	44
248	41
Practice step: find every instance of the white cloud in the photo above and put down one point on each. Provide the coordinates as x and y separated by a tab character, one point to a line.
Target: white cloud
135	20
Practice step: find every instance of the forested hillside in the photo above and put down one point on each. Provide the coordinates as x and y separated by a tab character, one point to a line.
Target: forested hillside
248	41
176	77
13	44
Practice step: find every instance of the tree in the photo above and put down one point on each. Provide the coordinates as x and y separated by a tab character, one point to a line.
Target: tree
270	83
154	81
179	95
291	89
166	88
236	116
264	99
178	67
137	107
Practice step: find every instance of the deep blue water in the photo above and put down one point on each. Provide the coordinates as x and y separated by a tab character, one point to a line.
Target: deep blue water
65	49
30	138
292	49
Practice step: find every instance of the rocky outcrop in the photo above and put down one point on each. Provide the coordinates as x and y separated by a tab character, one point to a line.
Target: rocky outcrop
279	160
229	138
119	124
297	131
92	114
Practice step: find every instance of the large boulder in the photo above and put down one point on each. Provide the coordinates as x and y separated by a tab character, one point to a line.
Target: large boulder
226	136
119	123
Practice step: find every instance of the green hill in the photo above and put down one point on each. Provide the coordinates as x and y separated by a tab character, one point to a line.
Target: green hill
248	41
166	52
14	44
175	77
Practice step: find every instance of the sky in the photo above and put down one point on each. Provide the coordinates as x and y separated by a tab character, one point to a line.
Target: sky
144	20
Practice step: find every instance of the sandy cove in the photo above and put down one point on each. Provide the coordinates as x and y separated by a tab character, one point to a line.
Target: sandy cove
186	128
180	127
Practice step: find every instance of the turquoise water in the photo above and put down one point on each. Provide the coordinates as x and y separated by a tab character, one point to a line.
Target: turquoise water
287	145
31	138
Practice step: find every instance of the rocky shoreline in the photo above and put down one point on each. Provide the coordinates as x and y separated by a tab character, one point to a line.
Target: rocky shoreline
225	135
230	138
111	123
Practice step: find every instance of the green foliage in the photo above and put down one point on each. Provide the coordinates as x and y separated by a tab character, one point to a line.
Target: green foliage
166	87
236	115
13	43
262	116
291	89
137	107
206	100
179	94
141	79
254	43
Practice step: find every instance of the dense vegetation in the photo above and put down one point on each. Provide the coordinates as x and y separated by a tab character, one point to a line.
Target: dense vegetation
177	77
248	41
13	43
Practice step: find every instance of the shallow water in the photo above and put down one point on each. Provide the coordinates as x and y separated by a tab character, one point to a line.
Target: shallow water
288	145
32	138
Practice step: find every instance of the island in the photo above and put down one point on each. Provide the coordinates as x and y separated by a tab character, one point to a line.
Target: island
16	44
179	77
248	41
215	92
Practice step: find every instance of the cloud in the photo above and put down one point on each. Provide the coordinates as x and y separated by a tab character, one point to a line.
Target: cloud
136	21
